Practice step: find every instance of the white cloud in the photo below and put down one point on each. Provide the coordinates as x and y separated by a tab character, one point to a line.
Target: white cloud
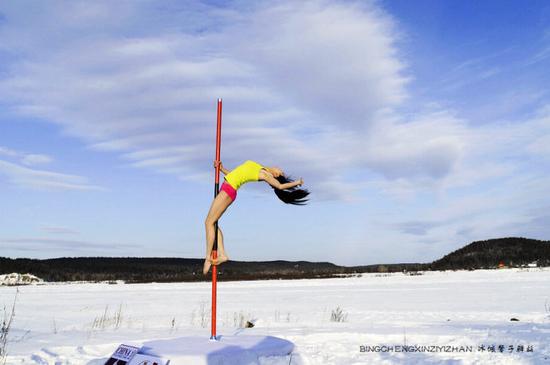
43	180
8	152
33	159
337	61
296	78
28	159
312	86
27	177
428	146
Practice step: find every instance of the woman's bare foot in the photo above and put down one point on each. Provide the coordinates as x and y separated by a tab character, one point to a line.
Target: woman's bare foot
219	260
206	266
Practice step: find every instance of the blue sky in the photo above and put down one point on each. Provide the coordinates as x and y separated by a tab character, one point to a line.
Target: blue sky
418	126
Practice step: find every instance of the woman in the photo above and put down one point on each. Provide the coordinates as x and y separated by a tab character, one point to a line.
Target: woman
249	171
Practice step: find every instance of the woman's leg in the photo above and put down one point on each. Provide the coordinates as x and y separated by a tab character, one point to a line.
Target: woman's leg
222	255
218	207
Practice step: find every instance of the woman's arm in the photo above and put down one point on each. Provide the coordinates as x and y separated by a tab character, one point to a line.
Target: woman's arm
267	177
222	169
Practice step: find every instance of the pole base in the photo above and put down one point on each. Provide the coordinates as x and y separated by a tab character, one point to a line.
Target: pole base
214	338
232	350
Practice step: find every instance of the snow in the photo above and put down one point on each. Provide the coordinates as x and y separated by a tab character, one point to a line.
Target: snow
227	350
85	323
19	279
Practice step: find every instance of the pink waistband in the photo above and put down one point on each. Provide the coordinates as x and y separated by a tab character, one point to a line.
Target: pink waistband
229	190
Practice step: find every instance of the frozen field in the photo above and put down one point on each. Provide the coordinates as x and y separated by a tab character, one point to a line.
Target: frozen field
84	323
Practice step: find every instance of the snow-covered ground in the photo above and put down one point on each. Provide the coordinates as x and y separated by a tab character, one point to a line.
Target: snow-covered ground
84	323
19	279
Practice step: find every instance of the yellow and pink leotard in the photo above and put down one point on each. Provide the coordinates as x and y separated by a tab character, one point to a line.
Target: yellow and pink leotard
242	174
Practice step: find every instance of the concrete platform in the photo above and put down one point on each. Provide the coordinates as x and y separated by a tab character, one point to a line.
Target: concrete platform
227	350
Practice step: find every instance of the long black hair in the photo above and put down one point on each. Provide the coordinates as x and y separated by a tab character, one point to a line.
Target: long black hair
292	195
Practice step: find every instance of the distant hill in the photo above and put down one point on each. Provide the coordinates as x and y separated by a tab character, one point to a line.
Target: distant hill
512	251
477	255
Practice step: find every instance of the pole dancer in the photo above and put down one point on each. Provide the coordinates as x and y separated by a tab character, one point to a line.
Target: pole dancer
249	171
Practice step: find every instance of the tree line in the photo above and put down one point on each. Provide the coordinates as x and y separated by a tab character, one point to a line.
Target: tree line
512	251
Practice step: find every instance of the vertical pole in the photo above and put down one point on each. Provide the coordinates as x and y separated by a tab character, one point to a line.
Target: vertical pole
215	247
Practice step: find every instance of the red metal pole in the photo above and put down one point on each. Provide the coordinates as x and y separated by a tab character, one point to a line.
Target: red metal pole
215	247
